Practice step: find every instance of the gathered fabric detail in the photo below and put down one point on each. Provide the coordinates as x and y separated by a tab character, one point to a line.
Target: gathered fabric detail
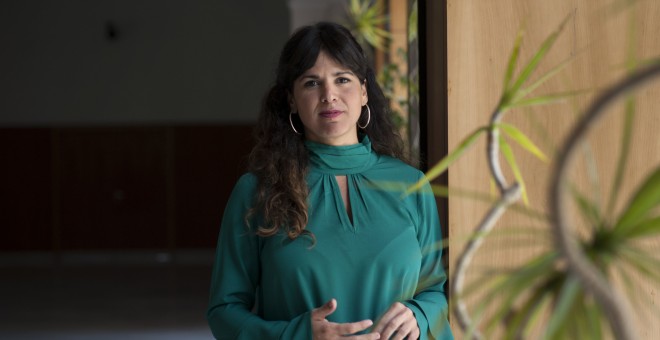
341	160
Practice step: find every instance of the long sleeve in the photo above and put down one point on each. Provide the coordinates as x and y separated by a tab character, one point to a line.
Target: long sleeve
236	275
430	302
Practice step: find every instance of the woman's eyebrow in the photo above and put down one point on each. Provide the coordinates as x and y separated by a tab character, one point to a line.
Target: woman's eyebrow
338	73
344	72
309	76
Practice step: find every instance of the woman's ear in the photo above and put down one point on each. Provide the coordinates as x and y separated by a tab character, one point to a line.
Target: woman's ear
365	96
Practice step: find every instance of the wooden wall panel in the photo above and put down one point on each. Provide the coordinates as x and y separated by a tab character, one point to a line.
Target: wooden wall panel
208	163
124	187
113	188
480	35
25	189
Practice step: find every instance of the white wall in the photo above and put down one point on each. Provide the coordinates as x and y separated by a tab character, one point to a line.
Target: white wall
173	61
308	12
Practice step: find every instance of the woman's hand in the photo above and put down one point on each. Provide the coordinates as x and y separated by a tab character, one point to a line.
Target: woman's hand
324	329
398	323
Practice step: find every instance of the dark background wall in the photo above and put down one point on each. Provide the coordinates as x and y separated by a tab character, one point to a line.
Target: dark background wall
137	61
124	124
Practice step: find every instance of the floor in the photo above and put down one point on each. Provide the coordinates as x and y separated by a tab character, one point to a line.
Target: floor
127	295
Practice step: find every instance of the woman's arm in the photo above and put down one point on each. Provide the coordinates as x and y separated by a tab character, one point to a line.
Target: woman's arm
236	276
430	302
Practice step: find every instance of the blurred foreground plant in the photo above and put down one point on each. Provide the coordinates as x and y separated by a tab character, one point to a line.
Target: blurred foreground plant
572	280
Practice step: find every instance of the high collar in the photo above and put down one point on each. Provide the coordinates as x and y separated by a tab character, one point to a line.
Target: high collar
341	160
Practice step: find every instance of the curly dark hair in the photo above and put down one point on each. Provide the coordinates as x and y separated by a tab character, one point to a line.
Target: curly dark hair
279	159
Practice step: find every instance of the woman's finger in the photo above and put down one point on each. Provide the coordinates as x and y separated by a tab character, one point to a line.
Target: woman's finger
323	329
370	336
398	322
386	318
394	325
325	310
353	327
405	330
415	333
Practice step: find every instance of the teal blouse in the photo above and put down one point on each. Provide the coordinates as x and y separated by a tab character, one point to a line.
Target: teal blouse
266	288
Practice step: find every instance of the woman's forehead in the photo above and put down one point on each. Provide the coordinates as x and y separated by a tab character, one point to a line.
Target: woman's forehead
325	62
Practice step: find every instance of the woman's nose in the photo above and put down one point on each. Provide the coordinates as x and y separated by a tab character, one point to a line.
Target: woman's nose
328	95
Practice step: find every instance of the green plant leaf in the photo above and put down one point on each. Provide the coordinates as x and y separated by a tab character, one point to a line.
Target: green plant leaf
640	261
589	209
594	183
650	61
520	320
546	76
535	315
631	55
354	7
412	22
476	320
444	163
486	283
541	236
587	323
511	160
512	92
594	320
444	191
623	154
527	211
366	19
513	59
646	228
565	300
543	100
644	201
626	275
539	269
541	131
577	320
522	140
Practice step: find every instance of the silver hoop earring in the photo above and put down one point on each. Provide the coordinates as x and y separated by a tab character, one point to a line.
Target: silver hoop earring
368	119
293	127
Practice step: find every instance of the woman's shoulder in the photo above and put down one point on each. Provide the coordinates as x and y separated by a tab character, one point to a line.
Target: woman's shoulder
247	179
397	166
246	184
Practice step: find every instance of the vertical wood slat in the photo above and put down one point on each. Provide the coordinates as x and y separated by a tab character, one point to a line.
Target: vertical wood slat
55	194
170	188
25	189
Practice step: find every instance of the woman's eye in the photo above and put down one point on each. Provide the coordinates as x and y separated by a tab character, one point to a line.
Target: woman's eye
311	83
343	80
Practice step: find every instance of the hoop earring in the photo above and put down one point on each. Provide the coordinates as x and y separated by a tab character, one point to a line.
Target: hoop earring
293	127
368	119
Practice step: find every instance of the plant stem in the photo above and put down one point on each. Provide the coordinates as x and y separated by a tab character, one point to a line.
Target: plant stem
616	306
493	151
508	196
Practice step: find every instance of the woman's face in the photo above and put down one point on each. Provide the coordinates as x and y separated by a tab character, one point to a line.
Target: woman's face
329	98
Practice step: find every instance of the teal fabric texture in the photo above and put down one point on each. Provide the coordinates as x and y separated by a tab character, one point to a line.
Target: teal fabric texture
389	251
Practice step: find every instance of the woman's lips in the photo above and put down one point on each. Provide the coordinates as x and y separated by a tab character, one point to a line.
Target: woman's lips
330	113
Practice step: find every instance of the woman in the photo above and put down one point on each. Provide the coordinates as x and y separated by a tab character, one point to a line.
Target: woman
319	239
